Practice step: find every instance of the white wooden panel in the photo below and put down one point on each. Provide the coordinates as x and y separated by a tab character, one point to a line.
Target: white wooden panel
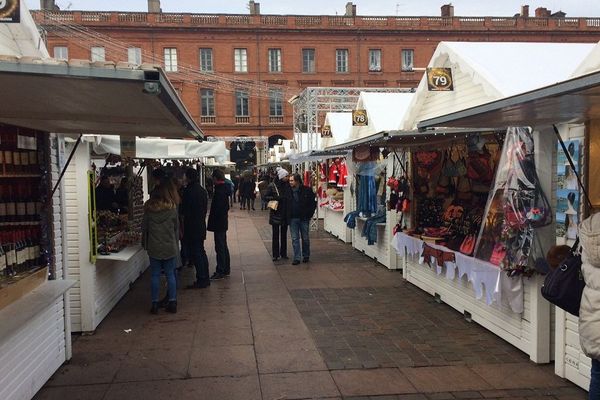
112	282
30	356
333	223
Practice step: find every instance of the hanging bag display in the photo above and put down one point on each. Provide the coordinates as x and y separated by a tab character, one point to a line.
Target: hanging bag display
274	204
468	245
564	286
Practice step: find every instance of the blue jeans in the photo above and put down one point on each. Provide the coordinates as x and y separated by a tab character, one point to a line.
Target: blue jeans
595	381
299	228
156	267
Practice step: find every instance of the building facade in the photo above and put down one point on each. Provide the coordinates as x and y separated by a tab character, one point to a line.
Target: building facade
236	73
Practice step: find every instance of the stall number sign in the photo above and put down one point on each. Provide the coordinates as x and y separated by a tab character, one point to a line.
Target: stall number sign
10	11
326	131
359	118
440	79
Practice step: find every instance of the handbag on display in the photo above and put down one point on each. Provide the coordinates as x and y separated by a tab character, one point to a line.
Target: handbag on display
564	285
467	247
274	204
498	254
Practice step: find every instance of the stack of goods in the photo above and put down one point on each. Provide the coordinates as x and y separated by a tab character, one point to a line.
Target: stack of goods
21	190
110	227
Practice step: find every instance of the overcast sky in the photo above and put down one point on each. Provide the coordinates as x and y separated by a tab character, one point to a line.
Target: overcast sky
573	8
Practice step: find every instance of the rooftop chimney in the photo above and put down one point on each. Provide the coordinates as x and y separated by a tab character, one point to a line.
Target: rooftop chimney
154	6
542	12
525	11
350	9
448	10
48	5
254	8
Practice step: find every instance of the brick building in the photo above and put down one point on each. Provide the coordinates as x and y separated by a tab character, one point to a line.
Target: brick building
236	72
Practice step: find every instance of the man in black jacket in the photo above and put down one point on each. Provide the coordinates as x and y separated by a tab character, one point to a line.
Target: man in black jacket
302	207
218	223
193	212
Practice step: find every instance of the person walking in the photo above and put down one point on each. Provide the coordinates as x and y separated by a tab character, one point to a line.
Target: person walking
193	213
263	185
589	311
279	219
160	235
218	223
303	206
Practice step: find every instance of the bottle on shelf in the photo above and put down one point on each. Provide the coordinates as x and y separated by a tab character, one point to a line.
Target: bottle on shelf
36	249
3	201
21	205
11	255
8	154
11	208
19	255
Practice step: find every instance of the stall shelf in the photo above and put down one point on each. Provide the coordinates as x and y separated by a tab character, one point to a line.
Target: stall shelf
571	106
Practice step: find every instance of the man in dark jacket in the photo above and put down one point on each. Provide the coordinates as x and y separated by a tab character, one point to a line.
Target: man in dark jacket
193	212
218	223
302	207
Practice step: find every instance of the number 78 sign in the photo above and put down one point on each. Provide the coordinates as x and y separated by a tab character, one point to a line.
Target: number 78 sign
439	79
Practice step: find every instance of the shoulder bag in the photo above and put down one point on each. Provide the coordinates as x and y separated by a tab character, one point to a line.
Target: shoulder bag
274	204
563	286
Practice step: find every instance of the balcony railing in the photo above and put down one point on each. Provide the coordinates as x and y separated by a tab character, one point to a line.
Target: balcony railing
316	21
208	119
277	120
242	120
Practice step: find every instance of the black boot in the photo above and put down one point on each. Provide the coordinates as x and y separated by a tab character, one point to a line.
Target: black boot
172	307
154	309
163	302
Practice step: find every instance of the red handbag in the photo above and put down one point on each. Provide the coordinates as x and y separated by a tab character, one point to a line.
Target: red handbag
468	245
498	254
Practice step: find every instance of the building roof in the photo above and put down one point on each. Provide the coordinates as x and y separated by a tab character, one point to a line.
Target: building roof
341	128
494	70
385	111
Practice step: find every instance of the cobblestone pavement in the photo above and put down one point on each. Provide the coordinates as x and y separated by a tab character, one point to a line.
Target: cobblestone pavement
339	327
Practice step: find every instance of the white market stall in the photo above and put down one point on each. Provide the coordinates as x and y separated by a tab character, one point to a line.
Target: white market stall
335	196
483	72
385	112
572	106
105	280
35	330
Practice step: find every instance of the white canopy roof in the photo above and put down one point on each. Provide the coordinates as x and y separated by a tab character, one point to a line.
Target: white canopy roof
385	112
341	128
590	64
23	38
159	148
487	71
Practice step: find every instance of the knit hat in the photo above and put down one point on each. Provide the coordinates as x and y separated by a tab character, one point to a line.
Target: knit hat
282	173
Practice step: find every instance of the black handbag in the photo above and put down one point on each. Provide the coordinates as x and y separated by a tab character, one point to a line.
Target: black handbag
563	286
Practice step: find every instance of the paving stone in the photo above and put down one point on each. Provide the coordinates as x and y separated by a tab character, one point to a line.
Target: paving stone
444	379
85	392
516	376
372	382
222	361
298	385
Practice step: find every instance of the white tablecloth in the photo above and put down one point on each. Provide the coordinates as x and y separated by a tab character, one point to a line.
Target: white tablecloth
499	288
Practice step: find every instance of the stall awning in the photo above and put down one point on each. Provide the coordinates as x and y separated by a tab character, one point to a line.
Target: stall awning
409	139
573	101
92	98
160	148
315	155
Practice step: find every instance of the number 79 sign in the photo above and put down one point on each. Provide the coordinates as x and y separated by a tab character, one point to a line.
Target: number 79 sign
439	79
9	11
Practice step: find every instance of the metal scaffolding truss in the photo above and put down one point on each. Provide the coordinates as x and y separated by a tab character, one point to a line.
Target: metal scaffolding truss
313	104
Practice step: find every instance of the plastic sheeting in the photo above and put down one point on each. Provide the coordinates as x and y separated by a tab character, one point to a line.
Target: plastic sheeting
515	207
160	148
